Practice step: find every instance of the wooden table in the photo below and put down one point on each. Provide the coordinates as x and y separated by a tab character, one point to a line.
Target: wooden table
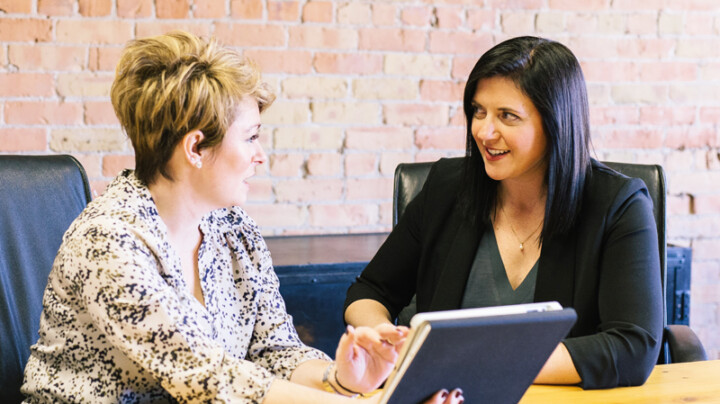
694	382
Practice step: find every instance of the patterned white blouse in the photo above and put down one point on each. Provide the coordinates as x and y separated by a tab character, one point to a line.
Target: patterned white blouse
119	324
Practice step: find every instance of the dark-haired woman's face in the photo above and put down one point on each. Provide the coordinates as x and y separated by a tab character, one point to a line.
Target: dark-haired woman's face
508	131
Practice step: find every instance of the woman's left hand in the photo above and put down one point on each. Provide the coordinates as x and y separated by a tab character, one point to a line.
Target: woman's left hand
365	356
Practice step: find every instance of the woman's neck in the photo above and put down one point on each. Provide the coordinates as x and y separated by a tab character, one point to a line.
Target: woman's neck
522	197
176	207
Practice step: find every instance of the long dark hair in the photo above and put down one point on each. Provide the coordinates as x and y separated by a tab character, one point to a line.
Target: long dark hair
550	75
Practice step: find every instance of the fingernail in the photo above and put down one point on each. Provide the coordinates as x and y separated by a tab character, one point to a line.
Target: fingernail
444	394
462	400
458	393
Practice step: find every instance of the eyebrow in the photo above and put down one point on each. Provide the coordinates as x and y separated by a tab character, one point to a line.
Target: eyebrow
475	103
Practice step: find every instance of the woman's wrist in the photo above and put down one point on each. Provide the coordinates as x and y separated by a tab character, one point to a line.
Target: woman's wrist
331	383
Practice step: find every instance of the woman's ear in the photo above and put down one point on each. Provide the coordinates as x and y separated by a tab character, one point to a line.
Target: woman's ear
190	143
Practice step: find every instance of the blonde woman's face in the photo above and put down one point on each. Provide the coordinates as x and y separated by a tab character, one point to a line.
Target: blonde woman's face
236	158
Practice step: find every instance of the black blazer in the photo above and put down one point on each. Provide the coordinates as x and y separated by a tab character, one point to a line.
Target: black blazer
607	268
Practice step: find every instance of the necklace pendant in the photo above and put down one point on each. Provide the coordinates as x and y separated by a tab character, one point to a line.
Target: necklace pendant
521	247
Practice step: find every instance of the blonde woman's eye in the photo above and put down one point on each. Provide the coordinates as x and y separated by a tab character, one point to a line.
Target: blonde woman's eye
253	138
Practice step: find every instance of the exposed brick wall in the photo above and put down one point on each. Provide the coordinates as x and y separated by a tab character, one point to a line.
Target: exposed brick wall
364	85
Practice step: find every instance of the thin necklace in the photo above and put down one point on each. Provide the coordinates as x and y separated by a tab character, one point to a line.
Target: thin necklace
522	243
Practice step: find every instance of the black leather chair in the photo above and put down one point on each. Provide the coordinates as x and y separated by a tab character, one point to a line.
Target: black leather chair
680	344
39	197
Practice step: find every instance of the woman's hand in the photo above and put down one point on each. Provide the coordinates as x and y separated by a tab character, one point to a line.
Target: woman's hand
366	356
443	397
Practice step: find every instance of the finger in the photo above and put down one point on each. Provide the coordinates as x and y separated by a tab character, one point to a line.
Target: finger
344	351
455	397
438	398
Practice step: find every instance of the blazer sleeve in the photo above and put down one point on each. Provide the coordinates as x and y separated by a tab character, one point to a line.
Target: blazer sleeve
624	348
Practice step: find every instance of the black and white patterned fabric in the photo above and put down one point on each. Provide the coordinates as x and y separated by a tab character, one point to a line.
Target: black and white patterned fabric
120	325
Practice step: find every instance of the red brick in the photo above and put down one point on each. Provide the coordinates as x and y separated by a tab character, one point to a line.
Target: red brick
416	114
348	63
460	42
100	113
420	16
595	47
25	30
669	71
441	138
134	8
585	5
43	113
642	24
449	17
707	204
84	85
104	59
209	9
173	9
283	10
457	117
246	9
691	137
113	164
614	115
16	6
343	215
157	27
699	24
317	11
436	90
359	164
633	139
392	39
50	57
26	85
324	164
710	115
462	66
277	215
382	138
95	8
23	139
55	7
707	249
286	165
581	23
281	61
92	31
610	71
514	4
309	190
678	204
655	48
369	188
390	161
383	14
481	20
311	36
250	34
662	116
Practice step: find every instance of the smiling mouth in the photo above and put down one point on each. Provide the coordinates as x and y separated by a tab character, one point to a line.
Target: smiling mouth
493	152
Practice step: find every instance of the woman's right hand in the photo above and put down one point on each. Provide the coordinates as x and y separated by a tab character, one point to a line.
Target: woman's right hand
443	397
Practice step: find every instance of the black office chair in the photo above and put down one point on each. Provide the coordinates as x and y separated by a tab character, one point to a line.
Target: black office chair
39	197
680	344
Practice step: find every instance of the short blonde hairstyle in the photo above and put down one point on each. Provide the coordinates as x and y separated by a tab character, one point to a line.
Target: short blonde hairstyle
169	85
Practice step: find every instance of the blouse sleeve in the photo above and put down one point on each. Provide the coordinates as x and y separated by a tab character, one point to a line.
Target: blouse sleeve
625	348
275	344
117	277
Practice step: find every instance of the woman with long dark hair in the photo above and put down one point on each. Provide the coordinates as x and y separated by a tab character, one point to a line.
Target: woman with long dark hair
527	215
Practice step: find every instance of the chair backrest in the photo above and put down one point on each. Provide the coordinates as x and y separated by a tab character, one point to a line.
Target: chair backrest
39	197
410	177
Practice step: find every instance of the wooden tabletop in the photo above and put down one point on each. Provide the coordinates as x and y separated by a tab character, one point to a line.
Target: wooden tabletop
324	249
694	382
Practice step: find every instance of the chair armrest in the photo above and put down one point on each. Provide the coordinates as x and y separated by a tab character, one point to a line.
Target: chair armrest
684	345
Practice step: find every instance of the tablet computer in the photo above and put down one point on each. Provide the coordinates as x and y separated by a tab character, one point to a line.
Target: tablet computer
493	354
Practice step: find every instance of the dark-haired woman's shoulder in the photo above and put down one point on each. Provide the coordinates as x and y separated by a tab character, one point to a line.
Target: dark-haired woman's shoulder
608	189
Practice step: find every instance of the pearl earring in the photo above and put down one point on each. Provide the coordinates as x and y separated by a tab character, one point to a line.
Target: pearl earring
198	163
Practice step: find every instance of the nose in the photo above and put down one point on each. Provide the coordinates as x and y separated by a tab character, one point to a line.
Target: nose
260	156
485	129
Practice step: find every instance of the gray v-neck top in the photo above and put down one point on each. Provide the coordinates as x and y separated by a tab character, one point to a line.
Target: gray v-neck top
488	284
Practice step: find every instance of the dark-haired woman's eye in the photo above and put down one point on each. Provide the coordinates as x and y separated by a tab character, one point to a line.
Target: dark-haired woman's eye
509	116
478	112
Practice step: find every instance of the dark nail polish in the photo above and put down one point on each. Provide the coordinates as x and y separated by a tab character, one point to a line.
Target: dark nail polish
458	393
444	394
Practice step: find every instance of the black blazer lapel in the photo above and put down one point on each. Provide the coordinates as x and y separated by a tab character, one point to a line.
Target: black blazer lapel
556	270
451	284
